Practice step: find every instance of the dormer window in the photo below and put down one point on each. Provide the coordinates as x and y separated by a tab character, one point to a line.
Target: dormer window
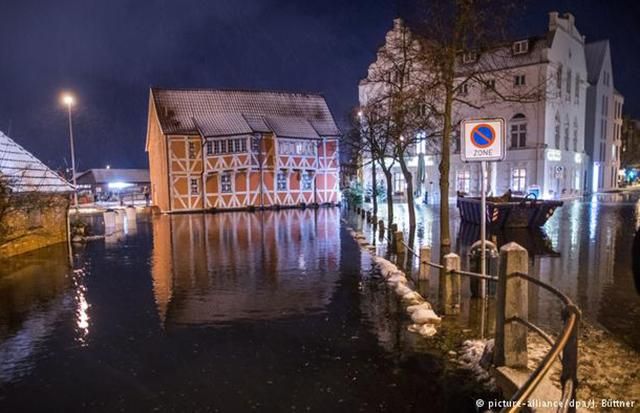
520	47
469	57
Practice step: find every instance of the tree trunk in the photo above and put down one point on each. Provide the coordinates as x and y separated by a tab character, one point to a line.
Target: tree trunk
445	236
374	187
387	175
411	206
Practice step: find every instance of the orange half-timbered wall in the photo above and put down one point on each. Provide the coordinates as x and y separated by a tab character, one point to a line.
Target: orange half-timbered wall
261	170
186	171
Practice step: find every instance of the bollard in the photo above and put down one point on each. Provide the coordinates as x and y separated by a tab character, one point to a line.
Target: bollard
475	284
450	285
425	257
109	217
119	219
130	213
512	301
397	241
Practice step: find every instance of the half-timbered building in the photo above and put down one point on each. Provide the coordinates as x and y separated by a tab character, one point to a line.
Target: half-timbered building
236	149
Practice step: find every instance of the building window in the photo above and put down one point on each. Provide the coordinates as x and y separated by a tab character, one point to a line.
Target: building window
469	57
209	148
556	131
464	89
192	150
255	144
307	181
282	181
519	131
575	135
577	89
225	183
194	187
223	146
569	79
398	182
229	146
566	134
559	79
296	147
519	179
463	181
520	47
489	85
519	80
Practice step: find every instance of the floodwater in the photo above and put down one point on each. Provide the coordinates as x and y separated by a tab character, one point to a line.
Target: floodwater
585	250
265	311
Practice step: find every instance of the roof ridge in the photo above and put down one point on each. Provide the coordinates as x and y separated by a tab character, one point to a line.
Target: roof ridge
245	90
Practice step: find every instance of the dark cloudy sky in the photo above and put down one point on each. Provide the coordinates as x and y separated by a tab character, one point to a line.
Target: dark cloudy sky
110	52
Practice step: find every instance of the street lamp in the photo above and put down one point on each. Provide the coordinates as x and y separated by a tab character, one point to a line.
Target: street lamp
69	100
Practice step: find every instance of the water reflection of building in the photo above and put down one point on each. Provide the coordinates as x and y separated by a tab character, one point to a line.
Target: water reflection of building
211	269
31	301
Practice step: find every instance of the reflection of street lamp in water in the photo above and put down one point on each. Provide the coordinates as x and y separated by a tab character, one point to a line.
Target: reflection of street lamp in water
68	100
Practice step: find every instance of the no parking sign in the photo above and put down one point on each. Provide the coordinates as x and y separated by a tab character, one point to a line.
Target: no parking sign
483	140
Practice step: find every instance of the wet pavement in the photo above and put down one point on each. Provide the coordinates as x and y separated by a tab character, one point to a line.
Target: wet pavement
265	311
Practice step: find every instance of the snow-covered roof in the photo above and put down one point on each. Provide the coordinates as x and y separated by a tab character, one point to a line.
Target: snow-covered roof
212	112
25	172
104	176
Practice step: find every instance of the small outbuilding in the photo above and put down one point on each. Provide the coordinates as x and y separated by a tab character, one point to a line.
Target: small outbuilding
34	201
110	184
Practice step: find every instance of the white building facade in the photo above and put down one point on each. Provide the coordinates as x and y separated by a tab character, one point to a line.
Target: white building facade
545	136
604	119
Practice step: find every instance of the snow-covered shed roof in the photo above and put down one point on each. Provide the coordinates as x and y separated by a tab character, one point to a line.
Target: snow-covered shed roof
212	112
104	176
26	173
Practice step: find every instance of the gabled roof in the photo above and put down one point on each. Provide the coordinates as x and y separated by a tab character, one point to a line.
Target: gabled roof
104	176
595	53
213	112
25	172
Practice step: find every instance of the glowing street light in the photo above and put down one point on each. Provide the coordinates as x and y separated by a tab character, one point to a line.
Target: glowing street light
69	100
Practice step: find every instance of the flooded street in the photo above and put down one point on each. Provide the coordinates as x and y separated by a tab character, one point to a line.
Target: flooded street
266	311
585	250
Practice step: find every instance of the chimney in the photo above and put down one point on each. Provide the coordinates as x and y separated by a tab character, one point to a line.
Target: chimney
553	20
571	18
397	23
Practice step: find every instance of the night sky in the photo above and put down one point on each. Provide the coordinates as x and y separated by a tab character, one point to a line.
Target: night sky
110	52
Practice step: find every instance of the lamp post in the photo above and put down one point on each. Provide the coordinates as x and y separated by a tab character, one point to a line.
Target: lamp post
68	100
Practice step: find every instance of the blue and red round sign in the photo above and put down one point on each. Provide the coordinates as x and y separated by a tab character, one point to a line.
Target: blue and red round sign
483	136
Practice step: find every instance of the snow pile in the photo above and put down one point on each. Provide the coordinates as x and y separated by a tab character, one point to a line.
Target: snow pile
422	315
476	356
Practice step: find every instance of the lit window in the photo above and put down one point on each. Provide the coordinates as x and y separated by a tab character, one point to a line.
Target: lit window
282	181
194	187
463	181
192	150
209	148
519	179
225	183
520	47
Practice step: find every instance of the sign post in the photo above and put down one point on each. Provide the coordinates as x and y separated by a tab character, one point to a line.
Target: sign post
483	140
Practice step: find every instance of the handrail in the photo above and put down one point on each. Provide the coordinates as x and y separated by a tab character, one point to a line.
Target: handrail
571	313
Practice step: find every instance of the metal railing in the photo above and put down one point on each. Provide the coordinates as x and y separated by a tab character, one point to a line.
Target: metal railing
564	348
